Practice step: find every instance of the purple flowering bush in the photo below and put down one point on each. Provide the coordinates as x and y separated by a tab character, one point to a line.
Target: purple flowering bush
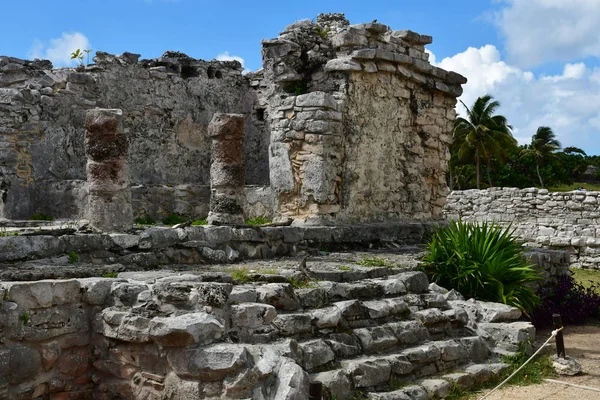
574	302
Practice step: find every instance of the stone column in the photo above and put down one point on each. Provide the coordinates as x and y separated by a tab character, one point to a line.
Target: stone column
227	170
109	198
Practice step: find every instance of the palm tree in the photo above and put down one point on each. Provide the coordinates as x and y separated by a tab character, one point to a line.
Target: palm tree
483	134
543	146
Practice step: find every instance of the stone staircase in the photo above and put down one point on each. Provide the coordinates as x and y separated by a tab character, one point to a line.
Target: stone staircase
373	331
362	331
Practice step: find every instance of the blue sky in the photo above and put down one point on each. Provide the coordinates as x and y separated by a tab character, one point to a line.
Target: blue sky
539	58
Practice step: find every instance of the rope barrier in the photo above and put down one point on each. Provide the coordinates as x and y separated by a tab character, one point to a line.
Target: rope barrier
572	384
554	332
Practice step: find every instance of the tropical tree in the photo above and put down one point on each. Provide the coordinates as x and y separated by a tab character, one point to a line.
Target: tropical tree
483	135
575	161
543	147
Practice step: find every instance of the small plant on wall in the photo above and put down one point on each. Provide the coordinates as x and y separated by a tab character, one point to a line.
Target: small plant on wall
79	55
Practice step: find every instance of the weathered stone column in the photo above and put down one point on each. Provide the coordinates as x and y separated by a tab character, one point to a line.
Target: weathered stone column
109	199
227	169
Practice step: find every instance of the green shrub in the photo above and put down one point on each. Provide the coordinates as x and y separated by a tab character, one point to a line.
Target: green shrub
483	261
241	275
257	221
301	283
533	373
200	222
73	257
25	317
145	220
41	217
111	274
374	262
174	219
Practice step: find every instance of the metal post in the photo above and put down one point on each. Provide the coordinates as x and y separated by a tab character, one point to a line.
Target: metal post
315	391
560	343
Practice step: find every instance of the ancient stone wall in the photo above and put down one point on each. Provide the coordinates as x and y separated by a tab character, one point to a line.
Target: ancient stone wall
167	104
559	220
368	139
346	123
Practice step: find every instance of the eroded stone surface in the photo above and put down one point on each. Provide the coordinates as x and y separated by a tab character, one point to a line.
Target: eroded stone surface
227	169
106	146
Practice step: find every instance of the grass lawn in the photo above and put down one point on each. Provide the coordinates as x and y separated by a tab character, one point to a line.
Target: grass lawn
586	276
575	185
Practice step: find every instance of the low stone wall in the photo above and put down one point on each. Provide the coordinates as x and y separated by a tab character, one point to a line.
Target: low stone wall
568	221
549	263
158	201
68	199
41	252
22	256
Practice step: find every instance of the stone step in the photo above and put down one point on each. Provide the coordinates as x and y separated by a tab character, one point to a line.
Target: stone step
321	293
377	323
191	245
392	375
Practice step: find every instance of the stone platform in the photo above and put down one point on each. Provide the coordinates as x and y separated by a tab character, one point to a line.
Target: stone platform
29	252
222	312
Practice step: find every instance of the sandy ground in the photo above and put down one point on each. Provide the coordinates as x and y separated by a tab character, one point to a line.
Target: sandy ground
581	343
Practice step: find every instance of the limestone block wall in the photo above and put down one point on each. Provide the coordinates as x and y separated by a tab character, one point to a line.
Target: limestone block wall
360	122
307	151
559	220
167	104
45	340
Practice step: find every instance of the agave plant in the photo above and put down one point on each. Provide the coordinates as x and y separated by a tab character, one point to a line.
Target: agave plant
483	261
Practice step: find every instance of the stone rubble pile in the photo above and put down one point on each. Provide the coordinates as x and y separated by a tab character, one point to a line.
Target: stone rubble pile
568	221
181	336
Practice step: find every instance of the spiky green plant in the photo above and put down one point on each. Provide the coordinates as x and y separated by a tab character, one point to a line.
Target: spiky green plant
483	261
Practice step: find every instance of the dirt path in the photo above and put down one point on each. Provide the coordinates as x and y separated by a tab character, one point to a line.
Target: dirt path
582	343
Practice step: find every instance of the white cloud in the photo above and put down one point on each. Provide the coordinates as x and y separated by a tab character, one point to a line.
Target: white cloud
567	102
59	49
225	56
539	31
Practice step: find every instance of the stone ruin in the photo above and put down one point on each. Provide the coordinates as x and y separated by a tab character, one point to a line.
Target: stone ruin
344	124
343	135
